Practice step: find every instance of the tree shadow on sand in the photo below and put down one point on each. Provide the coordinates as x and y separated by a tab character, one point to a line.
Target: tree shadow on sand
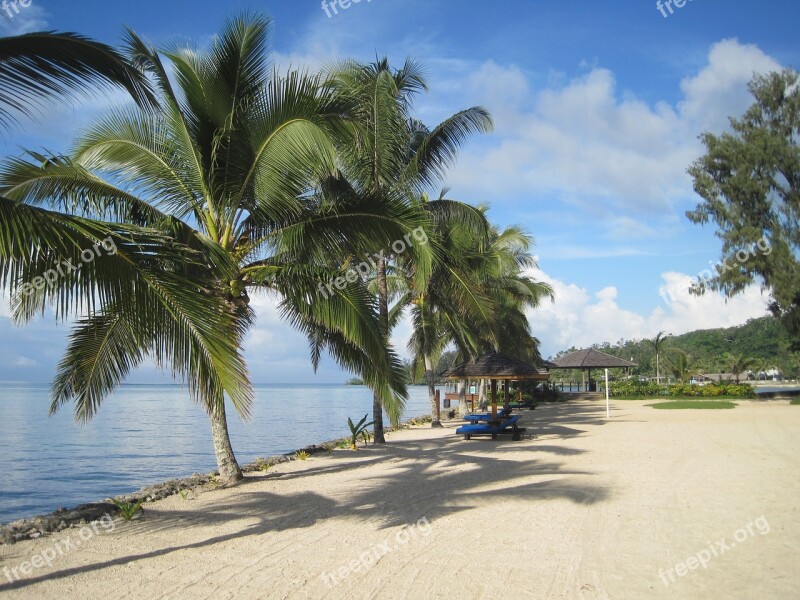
432	478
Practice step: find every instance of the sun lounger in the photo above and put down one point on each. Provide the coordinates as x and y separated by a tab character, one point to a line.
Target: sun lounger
501	414
508	425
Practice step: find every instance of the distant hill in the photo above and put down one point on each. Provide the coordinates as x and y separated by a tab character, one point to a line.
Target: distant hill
762	339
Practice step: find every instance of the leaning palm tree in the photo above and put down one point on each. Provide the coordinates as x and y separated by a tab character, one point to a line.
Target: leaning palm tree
42	67
513	293
475	296
503	268
389	156
223	173
444	295
657	344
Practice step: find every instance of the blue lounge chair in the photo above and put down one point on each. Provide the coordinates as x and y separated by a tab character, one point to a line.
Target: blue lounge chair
477	417
508	425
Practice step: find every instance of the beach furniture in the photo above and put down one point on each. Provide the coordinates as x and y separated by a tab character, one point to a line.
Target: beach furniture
476	418
507	425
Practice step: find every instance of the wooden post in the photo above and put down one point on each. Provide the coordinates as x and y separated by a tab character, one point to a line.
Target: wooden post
506	394
494	399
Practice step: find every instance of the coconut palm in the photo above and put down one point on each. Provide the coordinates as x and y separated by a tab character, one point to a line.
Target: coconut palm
42	67
388	156
221	180
657	344
475	296
681	365
737	364
502	269
446	297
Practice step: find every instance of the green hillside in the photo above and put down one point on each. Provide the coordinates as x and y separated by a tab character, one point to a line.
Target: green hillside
762	339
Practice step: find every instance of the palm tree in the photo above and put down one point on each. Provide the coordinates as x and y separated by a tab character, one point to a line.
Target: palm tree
474	297
737	364
443	295
215	191
502	270
45	66
657	344
389	157
681	365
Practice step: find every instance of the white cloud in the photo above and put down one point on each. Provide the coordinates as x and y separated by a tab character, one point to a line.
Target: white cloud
590	144
23	361
719	90
578	318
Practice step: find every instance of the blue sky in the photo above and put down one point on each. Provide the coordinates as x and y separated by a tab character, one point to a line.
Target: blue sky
597	107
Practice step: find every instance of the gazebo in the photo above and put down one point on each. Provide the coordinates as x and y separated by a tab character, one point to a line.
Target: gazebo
589	359
495	367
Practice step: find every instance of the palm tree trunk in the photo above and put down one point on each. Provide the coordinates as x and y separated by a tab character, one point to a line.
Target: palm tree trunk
462	398
229	471
482	400
383	324
429	376
658	372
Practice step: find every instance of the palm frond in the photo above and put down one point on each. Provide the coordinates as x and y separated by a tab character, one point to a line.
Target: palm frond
48	66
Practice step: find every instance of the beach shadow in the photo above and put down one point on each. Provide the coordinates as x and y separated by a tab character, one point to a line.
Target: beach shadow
431	479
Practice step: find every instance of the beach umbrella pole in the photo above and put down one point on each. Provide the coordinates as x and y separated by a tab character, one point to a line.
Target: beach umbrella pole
608	400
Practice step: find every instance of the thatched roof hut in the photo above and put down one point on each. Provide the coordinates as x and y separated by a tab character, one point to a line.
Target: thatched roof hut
591	359
497	366
588	359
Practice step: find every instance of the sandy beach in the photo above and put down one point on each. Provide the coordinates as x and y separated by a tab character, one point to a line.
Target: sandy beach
651	504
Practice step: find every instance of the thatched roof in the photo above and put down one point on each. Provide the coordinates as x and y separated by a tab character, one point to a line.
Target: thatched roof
497	366
591	359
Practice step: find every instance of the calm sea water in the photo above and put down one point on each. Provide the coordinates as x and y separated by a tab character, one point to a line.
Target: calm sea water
144	434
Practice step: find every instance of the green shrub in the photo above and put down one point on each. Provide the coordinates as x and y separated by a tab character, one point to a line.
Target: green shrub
650	389
128	510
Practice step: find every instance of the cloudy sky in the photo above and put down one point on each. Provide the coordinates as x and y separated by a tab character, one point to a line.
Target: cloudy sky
597	106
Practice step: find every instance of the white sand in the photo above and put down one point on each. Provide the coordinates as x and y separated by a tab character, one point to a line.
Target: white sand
587	509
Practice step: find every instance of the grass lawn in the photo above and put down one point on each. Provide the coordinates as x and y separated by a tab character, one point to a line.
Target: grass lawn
691	404
795	401
684	398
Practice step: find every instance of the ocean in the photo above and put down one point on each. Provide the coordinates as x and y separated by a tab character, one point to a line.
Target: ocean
145	434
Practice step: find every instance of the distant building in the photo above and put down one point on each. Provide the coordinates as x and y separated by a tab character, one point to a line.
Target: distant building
770	375
716	377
